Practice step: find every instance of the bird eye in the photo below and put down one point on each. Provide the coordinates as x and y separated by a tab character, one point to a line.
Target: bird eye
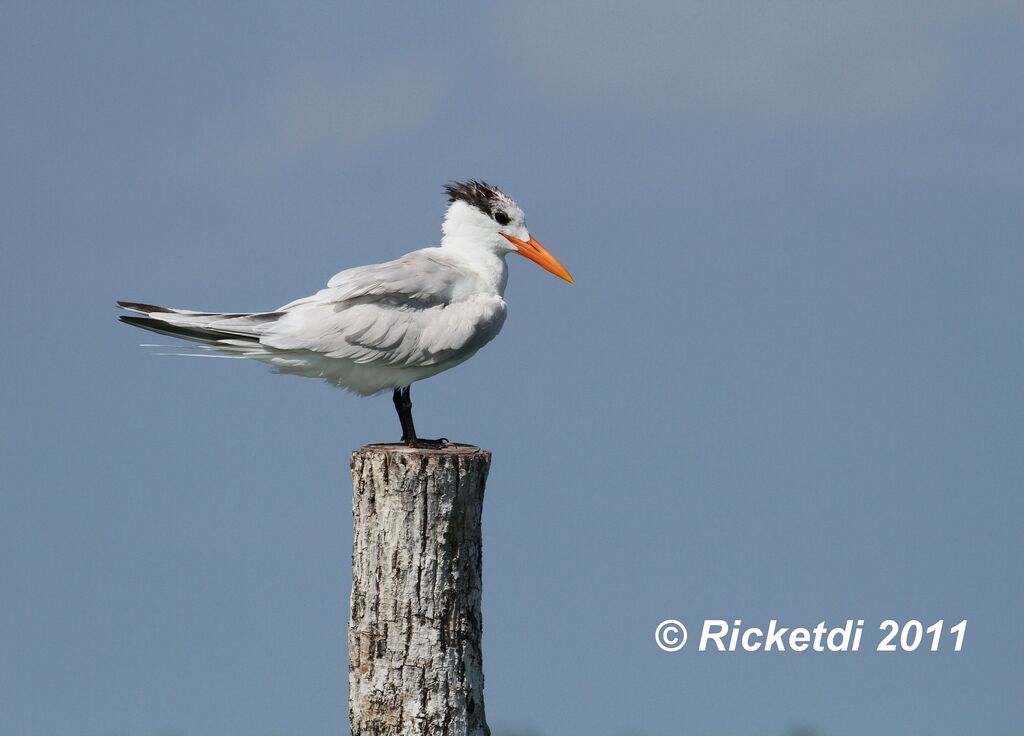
501	218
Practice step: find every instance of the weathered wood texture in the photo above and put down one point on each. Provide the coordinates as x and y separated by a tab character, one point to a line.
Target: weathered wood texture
415	665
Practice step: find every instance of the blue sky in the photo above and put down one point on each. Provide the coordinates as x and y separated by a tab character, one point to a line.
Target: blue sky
786	384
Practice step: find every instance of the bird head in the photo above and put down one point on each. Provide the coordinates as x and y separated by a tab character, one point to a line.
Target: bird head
483	215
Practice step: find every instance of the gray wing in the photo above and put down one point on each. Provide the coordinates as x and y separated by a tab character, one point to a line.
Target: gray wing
401	313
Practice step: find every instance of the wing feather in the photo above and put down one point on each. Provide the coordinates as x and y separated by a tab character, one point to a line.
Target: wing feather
400	313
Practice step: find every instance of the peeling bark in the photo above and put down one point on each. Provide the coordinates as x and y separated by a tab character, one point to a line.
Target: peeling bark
415	665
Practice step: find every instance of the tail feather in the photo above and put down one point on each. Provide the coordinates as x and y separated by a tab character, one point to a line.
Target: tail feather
154	309
233	329
142	308
188	333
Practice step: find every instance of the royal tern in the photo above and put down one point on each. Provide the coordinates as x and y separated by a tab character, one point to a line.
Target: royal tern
387	325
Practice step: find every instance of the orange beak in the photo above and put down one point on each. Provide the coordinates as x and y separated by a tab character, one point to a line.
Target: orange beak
539	255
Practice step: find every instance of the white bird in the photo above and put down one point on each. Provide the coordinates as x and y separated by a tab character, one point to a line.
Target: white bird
386	325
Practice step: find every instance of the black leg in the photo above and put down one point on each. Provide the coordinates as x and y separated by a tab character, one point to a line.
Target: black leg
403	405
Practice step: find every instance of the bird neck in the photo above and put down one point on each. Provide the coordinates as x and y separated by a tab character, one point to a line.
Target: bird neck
487	262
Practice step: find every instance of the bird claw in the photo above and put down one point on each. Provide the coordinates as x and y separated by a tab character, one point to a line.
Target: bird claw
421	444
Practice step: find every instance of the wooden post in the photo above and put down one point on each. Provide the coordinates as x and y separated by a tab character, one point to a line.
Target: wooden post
415	665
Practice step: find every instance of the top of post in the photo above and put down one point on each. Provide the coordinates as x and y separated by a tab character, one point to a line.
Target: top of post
425	459
398	448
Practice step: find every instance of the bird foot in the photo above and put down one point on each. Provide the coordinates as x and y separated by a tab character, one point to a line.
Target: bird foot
422	444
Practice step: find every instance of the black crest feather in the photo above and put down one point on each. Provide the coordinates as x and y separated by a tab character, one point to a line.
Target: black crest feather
474	193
